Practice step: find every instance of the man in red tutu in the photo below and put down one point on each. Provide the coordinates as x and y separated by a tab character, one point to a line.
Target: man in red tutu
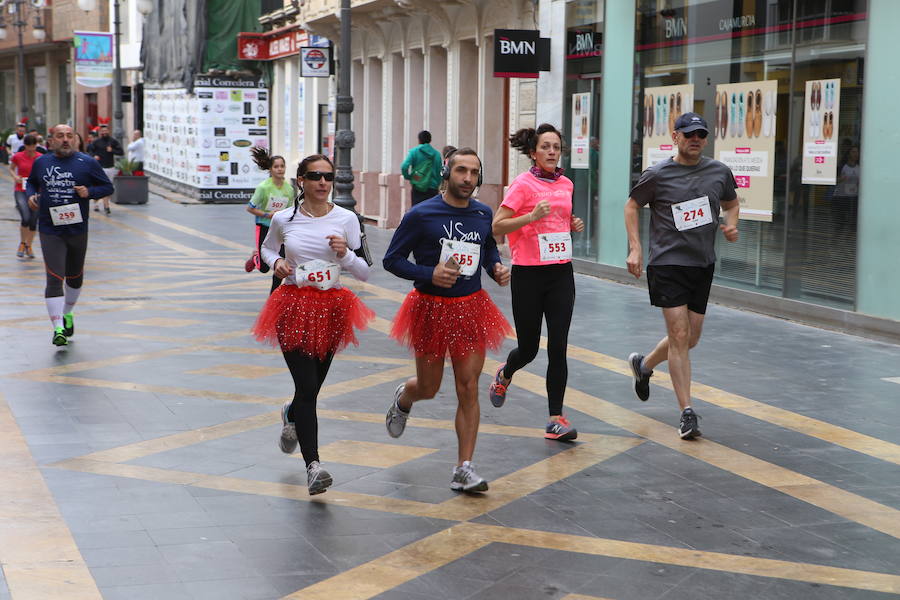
450	238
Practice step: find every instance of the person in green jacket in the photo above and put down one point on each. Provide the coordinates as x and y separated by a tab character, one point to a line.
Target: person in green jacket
422	168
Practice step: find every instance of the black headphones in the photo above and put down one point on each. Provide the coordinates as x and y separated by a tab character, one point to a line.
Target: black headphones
445	169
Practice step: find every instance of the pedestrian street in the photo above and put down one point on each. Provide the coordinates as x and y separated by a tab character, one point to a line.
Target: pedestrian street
141	460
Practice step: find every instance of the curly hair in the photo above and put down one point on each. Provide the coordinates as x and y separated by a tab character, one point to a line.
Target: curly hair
525	140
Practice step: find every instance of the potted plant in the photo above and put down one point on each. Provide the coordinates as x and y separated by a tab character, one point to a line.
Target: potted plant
132	186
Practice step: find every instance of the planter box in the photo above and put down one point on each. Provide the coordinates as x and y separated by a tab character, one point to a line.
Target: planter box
131	189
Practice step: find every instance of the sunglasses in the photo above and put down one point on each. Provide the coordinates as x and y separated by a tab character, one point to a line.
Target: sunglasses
317	175
697	133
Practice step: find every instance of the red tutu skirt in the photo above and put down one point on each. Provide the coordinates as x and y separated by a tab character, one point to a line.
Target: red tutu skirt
315	322
433	325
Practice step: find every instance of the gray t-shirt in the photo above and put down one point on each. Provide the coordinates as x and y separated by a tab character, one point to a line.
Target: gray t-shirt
667	183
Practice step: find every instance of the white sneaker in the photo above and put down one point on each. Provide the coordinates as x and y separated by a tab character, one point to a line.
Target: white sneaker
288	440
317	479
396	417
465	479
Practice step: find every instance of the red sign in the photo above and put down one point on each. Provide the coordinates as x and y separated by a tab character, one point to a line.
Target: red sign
271	44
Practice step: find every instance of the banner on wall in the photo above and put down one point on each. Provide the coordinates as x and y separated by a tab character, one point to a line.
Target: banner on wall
820	125
662	105
744	134
94	55
581	122
203	139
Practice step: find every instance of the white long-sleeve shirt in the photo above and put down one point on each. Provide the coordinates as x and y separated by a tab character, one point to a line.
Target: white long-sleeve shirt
305	239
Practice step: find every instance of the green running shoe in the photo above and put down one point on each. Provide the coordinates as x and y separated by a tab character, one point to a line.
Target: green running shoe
68	325
59	337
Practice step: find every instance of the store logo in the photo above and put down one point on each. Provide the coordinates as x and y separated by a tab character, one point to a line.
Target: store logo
218	131
675	28
223	143
737	23
223	156
221	180
242	143
508	46
251	50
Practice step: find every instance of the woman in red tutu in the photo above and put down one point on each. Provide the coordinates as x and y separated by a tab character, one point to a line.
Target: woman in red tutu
311	316
448	313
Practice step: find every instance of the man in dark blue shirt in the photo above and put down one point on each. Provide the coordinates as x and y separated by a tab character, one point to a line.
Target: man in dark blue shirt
450	239
60	187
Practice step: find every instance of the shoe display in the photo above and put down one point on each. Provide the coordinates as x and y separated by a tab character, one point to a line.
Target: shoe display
497	391
21	251
288	439
758	118
751	113
465	479
317	479
68	324
641	379
561	431
59	337
688	428
396	417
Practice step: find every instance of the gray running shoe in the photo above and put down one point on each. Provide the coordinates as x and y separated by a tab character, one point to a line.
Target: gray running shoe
317	479
396	417
465	479
689	427
288	440
641	379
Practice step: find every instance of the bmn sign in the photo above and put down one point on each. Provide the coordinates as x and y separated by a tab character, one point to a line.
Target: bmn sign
520	53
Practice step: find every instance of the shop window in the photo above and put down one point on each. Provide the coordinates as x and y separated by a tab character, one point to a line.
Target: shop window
752	64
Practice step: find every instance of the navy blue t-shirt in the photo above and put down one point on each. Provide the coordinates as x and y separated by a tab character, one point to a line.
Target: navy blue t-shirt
54	179
420	233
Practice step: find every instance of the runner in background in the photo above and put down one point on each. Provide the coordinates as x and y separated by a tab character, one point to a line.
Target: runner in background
536	216
270	196
20	165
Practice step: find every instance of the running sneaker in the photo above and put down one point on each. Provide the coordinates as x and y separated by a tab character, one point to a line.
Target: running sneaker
688	429
68	325
59	337
96	208
21	251
106	210
561	431
497	391
288	440
465	479
641	379
317	479
396	417
28	251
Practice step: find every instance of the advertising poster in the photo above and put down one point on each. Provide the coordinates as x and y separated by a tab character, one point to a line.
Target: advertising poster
662	105
581	122
203	139
820	125
744	137
315	62
94	58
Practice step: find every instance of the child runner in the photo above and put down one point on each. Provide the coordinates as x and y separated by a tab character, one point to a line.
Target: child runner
270	196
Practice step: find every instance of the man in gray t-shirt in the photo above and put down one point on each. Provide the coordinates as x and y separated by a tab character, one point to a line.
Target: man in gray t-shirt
686	196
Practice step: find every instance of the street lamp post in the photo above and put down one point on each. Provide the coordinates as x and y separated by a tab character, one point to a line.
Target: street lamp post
18	8
344	137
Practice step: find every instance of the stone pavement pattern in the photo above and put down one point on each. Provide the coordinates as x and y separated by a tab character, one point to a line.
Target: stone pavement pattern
140	462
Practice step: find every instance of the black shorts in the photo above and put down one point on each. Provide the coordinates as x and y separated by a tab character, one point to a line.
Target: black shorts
675	285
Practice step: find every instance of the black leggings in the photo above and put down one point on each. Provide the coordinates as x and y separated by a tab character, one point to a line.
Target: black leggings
28	217
64	261
539	292
262	232
309	374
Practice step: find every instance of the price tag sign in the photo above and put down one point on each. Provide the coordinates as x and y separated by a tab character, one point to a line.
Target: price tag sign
692	213
319	274
467	254
66	214
277	203
555	246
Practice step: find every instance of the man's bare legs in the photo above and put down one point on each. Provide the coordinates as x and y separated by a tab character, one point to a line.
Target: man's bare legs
684	328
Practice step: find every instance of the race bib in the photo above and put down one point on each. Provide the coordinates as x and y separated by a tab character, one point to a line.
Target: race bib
318	273
692	213
555	246
277	203
467	254
66	214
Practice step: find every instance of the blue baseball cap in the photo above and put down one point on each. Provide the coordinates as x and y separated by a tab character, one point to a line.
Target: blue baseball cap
689	122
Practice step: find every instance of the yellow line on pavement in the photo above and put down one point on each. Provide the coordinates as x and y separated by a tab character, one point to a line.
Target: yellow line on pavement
38	554
156	239
190	230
